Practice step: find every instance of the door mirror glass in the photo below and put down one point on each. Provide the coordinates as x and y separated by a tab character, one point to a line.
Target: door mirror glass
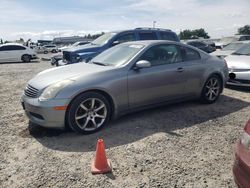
142	64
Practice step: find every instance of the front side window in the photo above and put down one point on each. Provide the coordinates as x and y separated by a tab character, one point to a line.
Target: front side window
167	36
189	54
147	36
162	54
126	37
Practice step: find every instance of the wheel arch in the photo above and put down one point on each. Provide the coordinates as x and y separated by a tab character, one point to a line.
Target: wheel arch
100	91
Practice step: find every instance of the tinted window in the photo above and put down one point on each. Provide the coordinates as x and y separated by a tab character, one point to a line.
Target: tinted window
147	36
126	37
168	36
162	54
197	44
189	54
12	47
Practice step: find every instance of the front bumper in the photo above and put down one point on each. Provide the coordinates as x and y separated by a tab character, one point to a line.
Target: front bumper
241	168
241	79
43	113
34	56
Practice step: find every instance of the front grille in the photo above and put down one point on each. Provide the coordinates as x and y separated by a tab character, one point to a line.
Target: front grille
31	91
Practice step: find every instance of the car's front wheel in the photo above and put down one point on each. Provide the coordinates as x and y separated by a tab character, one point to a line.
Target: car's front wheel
26	58
211	90
88	113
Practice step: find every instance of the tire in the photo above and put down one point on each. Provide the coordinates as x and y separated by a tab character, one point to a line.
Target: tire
26	58
211	90
45	52
88	113
53	51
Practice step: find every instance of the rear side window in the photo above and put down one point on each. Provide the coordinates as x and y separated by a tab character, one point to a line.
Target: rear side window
189	54
168	36
147	36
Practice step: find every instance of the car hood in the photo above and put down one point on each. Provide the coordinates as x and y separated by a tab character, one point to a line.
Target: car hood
222	52
84	48
73	72
238	61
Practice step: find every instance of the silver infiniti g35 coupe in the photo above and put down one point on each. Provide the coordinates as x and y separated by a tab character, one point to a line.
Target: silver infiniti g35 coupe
125	78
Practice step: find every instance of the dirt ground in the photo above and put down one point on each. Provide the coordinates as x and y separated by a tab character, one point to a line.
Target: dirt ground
182	145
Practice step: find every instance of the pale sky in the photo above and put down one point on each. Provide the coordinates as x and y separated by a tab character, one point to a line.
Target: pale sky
46	19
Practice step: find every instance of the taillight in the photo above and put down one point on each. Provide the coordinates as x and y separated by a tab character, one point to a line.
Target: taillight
245	140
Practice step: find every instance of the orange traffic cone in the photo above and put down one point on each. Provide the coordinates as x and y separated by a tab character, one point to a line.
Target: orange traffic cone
100	165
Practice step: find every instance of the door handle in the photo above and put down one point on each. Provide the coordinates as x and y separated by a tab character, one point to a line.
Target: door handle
180	69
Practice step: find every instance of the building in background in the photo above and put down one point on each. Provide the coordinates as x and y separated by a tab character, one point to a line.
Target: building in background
69	40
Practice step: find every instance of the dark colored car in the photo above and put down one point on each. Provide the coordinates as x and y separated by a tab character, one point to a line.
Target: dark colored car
241	168
206	47
87	52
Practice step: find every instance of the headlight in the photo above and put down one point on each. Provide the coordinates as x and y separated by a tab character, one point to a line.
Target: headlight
52	90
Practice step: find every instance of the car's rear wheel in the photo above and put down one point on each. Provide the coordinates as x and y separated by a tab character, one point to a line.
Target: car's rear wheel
53	51
26	58
211	90
45	52
88	113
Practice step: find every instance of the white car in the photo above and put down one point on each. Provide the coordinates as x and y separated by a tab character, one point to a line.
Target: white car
50	48
229	49
12	52
226	40
239	67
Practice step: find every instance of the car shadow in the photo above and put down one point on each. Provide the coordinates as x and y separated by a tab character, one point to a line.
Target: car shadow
32	61
136	126
239	88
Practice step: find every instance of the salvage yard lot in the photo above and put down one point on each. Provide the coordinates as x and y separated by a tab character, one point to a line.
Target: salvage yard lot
182	145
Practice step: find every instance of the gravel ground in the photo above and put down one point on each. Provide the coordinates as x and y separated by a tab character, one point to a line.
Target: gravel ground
182	145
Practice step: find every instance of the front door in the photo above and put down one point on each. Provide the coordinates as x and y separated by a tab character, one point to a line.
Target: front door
163	81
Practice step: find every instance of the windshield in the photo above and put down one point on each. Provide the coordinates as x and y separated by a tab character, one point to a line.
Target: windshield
228	39
233	46
117	55
75	44
244	50
103	39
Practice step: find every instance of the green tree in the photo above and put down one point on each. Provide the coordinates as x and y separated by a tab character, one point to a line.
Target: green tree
1	42
193	34
245	30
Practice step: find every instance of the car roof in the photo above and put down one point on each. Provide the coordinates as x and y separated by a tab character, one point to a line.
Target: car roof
11	43
142	29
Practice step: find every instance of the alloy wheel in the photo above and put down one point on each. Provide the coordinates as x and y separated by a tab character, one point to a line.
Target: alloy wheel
91	114
212	89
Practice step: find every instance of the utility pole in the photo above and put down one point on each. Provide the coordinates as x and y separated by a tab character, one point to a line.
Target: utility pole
154	22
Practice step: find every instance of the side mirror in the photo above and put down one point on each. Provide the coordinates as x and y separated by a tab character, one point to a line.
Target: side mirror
115	43
142	64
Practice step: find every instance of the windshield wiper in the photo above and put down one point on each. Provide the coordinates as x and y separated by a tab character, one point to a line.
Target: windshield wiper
98	63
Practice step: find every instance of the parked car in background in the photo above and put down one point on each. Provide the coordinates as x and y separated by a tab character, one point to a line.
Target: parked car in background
50	48
59	56
202	46
239	66
229	49
226	40
241	167
14	52
122	79
87	52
